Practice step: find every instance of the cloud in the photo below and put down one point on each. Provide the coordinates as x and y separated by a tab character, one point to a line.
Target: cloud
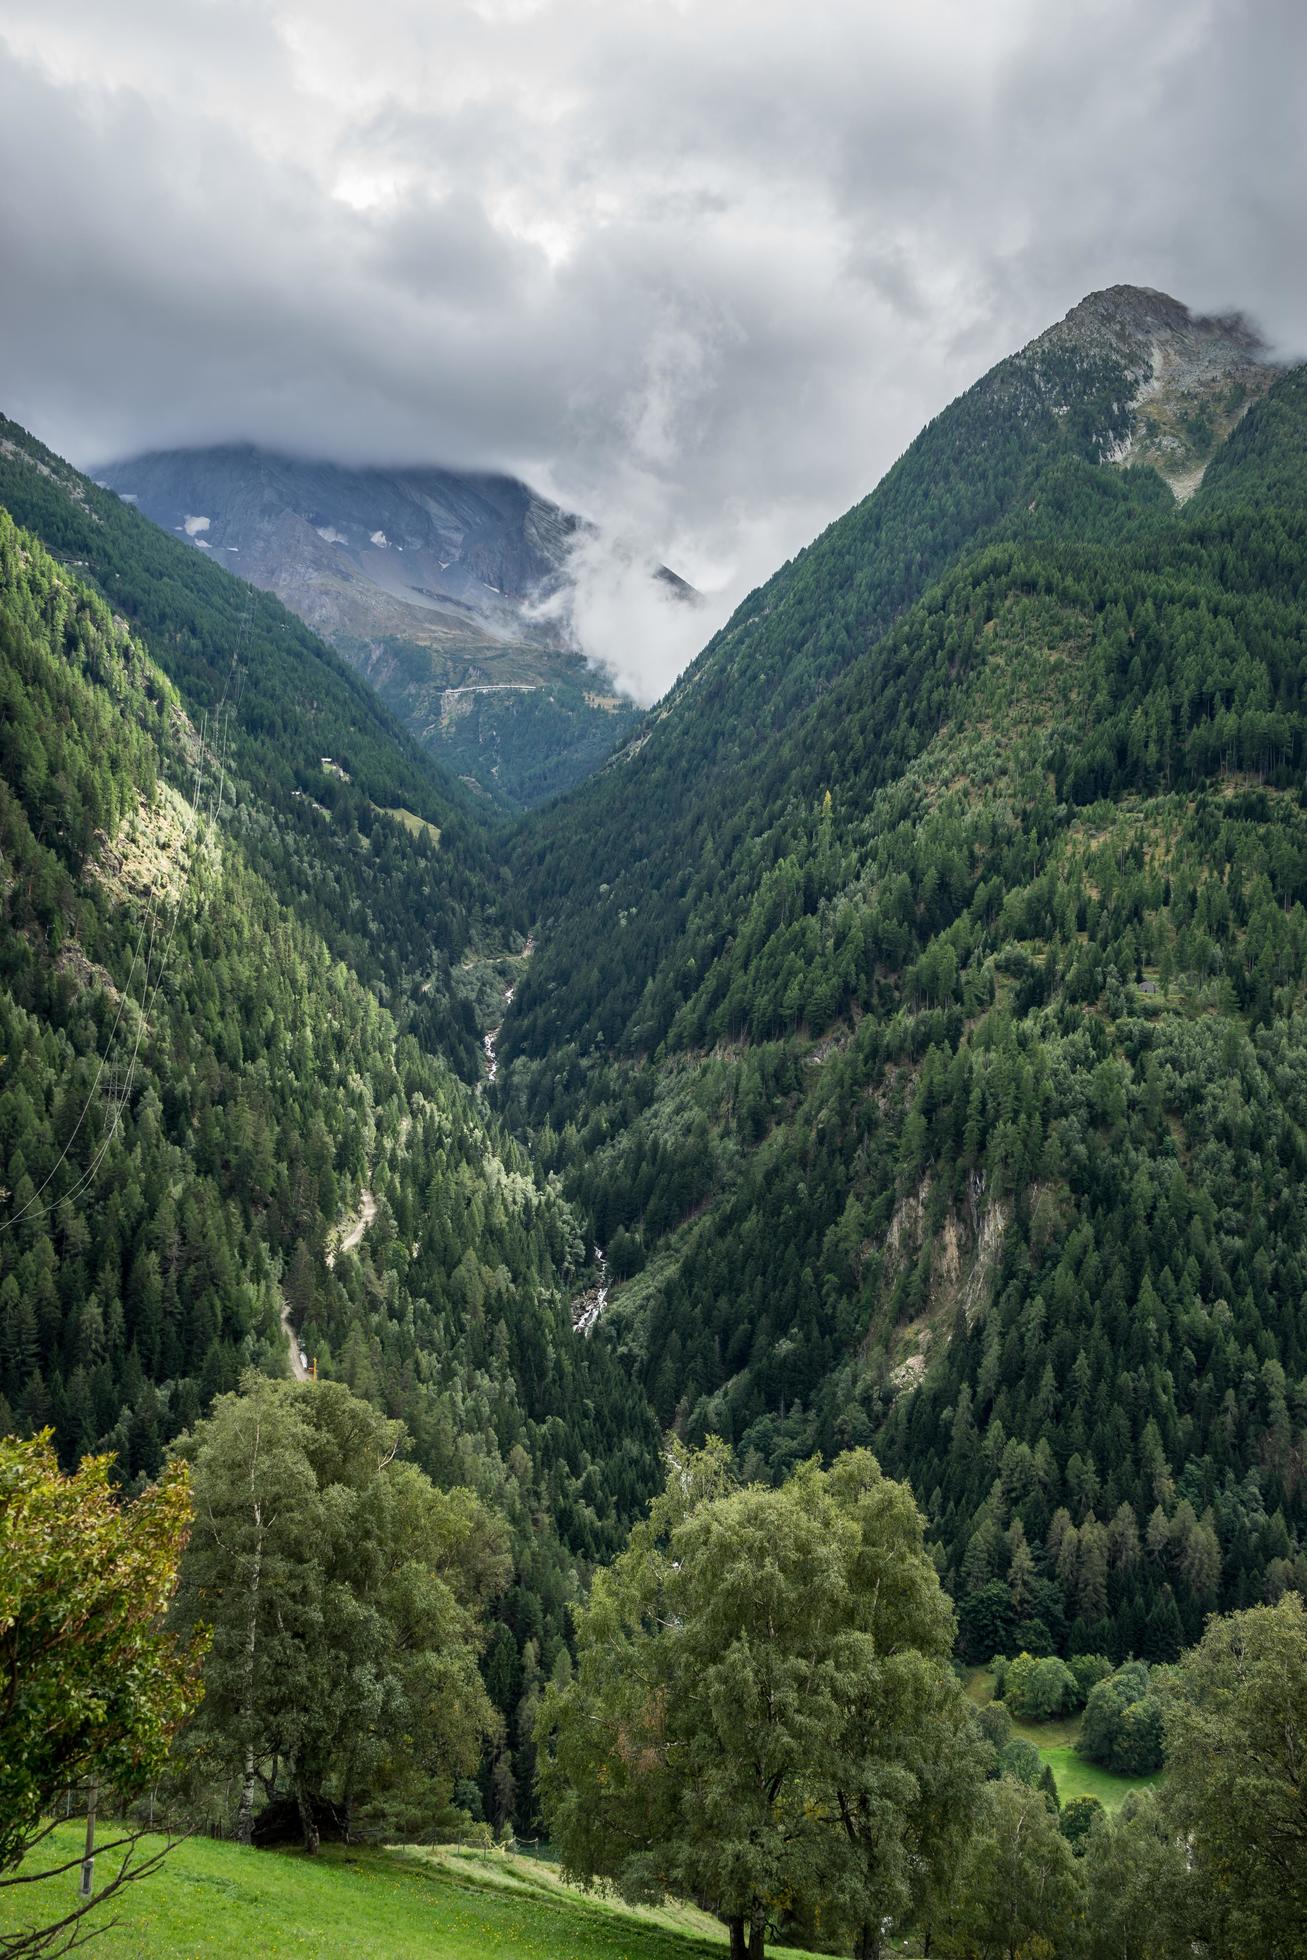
698	268
635	626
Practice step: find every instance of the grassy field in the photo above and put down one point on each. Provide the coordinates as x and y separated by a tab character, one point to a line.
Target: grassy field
216	1899
1077	1777
1074	1775
441	1904
415	826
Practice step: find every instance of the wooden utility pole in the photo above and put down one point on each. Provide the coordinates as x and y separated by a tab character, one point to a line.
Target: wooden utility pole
88	1862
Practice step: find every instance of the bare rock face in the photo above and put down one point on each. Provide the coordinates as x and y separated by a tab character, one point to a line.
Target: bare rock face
1193	377
432	555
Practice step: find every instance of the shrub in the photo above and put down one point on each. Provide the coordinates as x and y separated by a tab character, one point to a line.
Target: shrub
1078	1819
1039	1690
1122	1728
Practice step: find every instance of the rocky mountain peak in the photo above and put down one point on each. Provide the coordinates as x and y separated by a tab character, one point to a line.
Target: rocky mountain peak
1193	376
1131	321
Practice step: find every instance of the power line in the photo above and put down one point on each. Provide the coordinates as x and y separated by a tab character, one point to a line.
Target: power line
149	924
199	828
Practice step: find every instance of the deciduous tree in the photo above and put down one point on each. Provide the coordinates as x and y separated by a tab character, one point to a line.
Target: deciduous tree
1020	1891
345	1592
1235	1713
762	1712
91	1685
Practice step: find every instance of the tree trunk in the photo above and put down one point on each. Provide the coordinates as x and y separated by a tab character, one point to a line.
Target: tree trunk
245	1813
304	1799
739	1946
758	1938
869	1940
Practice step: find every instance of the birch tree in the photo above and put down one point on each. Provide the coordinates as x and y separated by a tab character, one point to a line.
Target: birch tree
346	1595
762	1716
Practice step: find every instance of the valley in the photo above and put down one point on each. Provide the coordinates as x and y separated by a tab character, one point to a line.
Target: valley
664	1278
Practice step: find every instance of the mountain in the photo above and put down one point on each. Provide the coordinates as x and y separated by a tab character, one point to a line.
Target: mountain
910	1015
918	1014
245	925
447	590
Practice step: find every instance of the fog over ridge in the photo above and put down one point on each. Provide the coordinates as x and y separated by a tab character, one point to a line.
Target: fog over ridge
698	271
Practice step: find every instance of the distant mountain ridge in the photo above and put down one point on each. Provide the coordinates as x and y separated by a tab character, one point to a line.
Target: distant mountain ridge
447	589
433	552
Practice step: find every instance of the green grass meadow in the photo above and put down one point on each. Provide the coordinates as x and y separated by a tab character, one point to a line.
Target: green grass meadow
218	1899
441	1904
1074	1775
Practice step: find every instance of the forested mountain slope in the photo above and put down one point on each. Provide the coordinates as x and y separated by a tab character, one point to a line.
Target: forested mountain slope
228	1010
919	1006
1126	369
321	773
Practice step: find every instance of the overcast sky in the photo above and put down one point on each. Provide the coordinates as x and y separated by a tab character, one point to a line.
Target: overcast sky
700	268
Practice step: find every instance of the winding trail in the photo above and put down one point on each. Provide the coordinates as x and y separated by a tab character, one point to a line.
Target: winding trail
299	1366
354	1236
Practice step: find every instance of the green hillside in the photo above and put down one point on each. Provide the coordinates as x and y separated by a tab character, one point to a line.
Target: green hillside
313	757
522	724
927	1054
212	1898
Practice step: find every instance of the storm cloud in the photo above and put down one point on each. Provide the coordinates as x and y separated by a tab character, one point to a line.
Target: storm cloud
698	268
